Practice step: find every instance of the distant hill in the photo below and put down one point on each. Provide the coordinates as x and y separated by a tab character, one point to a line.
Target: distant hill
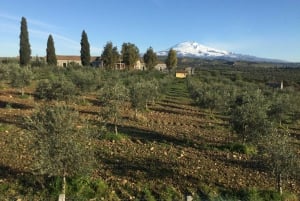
196	50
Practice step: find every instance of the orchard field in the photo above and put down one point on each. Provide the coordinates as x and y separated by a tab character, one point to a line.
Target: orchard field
213	135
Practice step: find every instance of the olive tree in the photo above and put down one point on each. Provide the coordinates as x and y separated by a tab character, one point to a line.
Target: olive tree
280	155
143	92
20	77
61	145
113	95
248	116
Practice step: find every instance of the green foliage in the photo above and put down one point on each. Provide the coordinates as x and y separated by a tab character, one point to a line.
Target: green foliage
248	116
25	50
3	127
112	95
269	195
112	136
143	92
4	72
110	56
83	78
208	192
214	95
171	60
60	148
148	195
169	193
280	108
240	148
85	50
50	52
20	77
150	59
130	55
280	155
55	89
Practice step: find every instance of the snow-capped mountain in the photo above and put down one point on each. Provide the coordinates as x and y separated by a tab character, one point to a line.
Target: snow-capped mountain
196	50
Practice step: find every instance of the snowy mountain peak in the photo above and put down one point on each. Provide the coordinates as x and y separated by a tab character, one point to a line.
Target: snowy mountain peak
196	50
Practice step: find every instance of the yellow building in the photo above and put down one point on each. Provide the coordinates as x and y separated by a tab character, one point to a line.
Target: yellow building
181	74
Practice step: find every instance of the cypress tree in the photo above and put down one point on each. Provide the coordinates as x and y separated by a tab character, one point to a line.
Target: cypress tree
85	50
51	56
171	60
150	58
25	50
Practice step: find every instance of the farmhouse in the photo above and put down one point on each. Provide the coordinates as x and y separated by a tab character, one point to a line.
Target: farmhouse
190	70
161	67
139	65
65	60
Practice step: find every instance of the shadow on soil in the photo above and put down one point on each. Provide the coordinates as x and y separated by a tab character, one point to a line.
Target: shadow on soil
152	136
5	104
140	167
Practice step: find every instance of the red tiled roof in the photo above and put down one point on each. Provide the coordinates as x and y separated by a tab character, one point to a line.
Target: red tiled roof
72	57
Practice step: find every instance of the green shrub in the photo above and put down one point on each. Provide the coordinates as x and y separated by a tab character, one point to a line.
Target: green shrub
208	192
86	188
148	195
253	195
169	193
3	188
270	195
83	78
56	89
112	136
240	148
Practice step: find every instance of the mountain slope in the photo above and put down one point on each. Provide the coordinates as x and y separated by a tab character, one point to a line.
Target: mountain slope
196	50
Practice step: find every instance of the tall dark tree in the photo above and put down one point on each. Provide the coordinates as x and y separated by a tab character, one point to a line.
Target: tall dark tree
51	56
130	54
85	50
110	55
171	60
25	50
150	58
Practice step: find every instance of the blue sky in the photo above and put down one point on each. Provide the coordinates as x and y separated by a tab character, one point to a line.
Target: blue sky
264	28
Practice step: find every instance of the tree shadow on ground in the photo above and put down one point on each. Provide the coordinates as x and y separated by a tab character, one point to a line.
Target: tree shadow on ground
253	164
152	136
147	168
5	104
26	181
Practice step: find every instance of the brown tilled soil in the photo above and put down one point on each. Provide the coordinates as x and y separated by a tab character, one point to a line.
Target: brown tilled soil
174	143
